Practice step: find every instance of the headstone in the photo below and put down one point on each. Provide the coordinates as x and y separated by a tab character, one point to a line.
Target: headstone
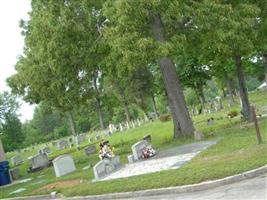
139	122
147	138
62	144
54	143
130	158
198	135
16	160
127	125
39	161
63	165
106	167
45	150
90	150
80	138
15	174
133	125
91	140
97	137
137	149
121	127
111	128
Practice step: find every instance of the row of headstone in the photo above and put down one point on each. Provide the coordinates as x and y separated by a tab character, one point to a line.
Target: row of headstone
45	150
62	144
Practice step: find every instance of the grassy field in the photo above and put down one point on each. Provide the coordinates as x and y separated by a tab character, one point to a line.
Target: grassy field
237	151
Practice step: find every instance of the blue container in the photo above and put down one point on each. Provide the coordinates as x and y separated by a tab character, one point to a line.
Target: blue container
4	173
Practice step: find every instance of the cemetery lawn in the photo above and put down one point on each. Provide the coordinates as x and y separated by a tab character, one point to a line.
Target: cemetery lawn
236	151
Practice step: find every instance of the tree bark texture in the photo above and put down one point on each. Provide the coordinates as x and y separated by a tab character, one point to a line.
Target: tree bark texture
100	113
182	122
154	105
230	88
124	102
72	125
242	89
201	95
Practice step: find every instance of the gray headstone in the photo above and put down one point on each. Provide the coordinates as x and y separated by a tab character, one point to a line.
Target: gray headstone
63	165
106	167
39	161
90	150
45	150
15	174
16	160
198	135
137	149
62	144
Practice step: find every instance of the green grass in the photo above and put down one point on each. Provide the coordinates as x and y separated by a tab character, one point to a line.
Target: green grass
237	151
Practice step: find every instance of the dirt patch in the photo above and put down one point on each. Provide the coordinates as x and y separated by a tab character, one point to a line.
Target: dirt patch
58	185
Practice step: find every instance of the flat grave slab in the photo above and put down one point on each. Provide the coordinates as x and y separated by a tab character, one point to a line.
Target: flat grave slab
166	159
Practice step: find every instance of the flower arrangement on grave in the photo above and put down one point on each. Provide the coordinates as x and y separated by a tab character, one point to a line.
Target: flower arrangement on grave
148	152
106	151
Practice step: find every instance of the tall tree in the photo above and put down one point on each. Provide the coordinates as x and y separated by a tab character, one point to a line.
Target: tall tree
142	32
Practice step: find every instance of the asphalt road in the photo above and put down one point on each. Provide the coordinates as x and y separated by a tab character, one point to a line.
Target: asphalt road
250	189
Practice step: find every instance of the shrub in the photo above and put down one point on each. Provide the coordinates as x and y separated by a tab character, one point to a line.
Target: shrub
165	117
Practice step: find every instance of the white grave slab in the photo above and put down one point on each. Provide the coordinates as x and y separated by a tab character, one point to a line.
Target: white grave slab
63	165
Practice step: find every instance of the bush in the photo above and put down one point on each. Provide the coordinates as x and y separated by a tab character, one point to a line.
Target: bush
165	117
232	114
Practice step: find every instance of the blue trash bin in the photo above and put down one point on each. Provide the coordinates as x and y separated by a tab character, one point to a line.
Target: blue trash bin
4	173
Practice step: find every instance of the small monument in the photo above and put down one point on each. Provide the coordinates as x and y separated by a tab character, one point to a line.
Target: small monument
63	165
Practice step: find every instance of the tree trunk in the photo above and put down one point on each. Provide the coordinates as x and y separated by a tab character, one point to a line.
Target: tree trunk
230	88
182	122
100	113
265	66
154	105
98	105
72	125
2	152
201	95
242	89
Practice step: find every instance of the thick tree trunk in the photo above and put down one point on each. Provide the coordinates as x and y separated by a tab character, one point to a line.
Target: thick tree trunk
242	89
72	125
124	102
230	88
181	119
2	152
100	113
265	66
154	105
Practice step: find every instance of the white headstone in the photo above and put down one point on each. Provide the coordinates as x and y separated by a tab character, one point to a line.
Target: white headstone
63	165
121	128
127	125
